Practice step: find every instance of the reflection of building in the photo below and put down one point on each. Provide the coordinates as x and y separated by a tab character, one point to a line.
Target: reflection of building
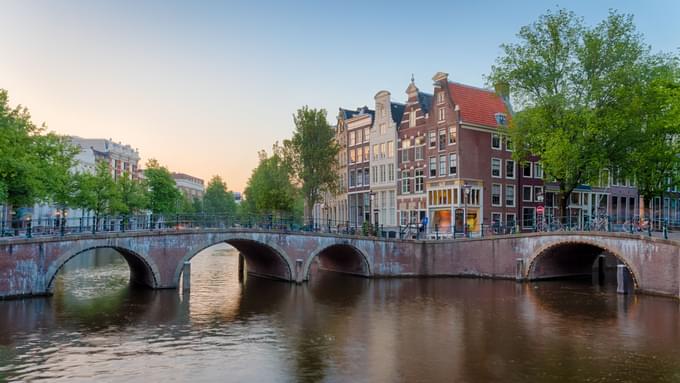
121	158
192	187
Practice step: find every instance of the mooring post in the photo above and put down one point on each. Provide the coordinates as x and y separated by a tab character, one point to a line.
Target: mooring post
519	270
601	264
186	276
241	267
624	283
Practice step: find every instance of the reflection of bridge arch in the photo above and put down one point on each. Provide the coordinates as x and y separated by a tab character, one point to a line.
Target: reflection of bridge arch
262	258
341	258
143	269
565	258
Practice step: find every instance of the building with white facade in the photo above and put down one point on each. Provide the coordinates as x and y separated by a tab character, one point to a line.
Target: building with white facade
383	160
192	187
121	158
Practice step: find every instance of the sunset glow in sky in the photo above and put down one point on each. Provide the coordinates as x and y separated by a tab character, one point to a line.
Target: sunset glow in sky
202	86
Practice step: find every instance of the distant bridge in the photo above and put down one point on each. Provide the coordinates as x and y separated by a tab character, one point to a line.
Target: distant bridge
28	266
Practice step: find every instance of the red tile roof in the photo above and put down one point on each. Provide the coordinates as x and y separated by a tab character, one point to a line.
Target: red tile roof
477	106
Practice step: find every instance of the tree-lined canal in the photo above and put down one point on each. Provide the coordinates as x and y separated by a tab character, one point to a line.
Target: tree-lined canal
335	328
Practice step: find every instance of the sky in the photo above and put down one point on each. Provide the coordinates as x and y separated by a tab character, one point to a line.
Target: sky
202	86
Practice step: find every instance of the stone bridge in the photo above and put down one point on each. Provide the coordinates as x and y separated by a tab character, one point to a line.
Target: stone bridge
28	266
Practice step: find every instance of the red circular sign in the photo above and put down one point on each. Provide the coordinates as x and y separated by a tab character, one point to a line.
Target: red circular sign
540	209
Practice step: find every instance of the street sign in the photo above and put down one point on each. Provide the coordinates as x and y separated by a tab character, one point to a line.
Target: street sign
540	209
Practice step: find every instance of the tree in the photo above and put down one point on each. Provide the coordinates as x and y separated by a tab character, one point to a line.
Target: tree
56	173
131	195
311	155
217	199
570	84
97	192
655	157
269	188
163	197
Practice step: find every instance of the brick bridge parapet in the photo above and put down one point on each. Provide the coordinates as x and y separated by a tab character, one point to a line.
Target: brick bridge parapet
28	266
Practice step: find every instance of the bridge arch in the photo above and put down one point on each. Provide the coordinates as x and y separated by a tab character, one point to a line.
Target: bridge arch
143	269
262	258
565	258
339	257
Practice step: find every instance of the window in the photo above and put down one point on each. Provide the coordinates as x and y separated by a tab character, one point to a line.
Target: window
390	172
510	219
508	145
528	217
375	174
510	195
390	149
501	119
360	177
538	170
366	176
496	218
405	182
495	141
404	155
382	173
352	178
442	139
538	193
366	153
375	151
420	180
510	169
420	152
412	119
496	194
433	139
442	114
442	165
452	134
352	138
367	134
496	167
352	156
453	164
526	193
433	167
440	97
360	155
382	150
383	128
358	133
526	172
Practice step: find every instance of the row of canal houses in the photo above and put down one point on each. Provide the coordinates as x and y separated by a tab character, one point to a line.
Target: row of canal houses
445	155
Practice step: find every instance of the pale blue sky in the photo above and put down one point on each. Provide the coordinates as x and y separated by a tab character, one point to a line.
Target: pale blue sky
202	86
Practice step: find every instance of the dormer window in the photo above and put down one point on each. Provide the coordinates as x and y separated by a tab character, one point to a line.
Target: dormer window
501	119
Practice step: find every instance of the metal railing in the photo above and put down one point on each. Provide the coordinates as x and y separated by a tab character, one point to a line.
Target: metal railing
61	226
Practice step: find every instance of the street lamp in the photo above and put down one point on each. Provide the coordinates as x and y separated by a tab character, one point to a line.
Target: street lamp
466	189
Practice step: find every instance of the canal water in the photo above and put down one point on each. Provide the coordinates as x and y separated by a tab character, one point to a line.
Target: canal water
335	329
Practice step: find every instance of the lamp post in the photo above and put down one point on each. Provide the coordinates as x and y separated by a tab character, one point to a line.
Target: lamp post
466	189
63	222
29	229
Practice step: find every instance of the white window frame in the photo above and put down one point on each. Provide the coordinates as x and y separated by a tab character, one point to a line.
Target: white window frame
514	195
500	167
531	193
500	195
514	169
531	170
496	135
533	209
537	167
441	114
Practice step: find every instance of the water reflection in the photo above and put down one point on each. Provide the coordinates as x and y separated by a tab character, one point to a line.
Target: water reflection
336	328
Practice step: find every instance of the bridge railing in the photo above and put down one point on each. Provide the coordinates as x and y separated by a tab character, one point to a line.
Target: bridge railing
64	226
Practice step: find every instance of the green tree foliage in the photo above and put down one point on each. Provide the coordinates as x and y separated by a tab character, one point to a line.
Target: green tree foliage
163	197
97	192
311	155
571	85
217	199
269	188
34	165
131	195
654	114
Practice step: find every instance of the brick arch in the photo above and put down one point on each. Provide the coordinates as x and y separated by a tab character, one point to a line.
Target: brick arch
597	247
143	269
346	266
274	256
